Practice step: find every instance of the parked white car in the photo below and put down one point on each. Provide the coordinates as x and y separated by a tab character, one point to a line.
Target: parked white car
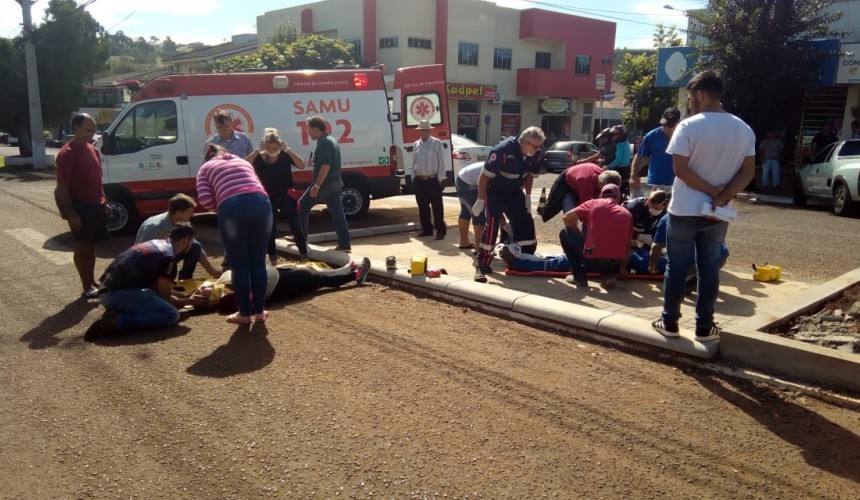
466	151
834	174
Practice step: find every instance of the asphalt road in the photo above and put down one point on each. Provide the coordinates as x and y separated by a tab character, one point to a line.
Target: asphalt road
370	391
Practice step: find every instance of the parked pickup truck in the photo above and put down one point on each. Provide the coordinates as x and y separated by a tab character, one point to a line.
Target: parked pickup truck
834	174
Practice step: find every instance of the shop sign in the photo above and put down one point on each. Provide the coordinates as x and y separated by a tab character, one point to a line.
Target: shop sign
467	120
849	63
472	91
554	106
510	125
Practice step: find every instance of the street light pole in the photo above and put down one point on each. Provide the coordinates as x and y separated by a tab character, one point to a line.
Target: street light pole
37	142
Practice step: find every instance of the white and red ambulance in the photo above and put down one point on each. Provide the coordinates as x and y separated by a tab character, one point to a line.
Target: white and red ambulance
154	148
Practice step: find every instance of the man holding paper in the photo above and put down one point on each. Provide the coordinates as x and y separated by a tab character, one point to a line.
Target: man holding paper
713	155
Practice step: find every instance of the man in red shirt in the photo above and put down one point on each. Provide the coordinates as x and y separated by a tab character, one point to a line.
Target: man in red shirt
81	198
607	228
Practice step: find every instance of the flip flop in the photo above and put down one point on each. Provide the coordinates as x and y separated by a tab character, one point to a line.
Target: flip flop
238	319
466	247
261	318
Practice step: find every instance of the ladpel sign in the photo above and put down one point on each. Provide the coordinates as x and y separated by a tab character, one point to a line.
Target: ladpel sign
471	91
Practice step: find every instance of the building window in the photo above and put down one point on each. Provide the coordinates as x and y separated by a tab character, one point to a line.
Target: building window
583	65
511	108
419	43
467	54
502	58
388	42
356	47
587	112
543	60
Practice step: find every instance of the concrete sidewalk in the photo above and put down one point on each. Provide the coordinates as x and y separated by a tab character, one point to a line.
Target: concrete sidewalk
625	311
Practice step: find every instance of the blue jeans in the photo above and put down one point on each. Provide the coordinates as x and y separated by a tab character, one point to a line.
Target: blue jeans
693	240
288	207
139	309
335	209
771	167
245	223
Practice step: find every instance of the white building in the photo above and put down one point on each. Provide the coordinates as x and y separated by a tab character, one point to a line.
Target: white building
507	68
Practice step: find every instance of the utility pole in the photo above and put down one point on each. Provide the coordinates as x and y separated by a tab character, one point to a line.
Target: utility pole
36	140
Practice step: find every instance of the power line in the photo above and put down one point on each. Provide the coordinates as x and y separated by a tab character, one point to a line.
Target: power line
121	20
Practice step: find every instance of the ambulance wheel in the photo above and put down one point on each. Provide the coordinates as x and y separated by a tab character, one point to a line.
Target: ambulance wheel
356	201
123	215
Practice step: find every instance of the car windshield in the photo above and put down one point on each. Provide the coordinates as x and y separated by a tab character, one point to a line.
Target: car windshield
850	148
459	141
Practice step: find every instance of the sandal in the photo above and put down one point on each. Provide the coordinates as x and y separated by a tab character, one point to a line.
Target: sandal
238	319
262	317
466	247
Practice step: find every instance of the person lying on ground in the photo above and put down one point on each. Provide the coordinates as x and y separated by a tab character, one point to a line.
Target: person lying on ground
286	282
180	209
558	263
137	287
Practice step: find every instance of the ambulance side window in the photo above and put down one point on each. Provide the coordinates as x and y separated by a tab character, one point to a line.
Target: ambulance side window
147	125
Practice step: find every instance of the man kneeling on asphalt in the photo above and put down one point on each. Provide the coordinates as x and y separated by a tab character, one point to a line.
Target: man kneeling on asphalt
608	229
137	287
180	209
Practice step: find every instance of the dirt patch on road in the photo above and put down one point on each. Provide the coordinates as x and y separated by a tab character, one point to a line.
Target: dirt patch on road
834	324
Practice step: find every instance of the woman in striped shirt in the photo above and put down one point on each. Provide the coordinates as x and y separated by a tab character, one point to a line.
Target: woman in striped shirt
229	185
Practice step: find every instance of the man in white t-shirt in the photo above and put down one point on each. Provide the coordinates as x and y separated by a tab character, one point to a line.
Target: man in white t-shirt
713	155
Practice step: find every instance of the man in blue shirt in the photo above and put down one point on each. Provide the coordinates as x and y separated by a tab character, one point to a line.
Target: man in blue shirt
661	174
505	187
235	142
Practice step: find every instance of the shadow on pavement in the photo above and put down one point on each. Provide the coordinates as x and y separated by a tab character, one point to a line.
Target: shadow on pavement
824	444
44	335
139	337
248	350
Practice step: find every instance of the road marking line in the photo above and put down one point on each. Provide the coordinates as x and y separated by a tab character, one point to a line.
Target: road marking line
50	249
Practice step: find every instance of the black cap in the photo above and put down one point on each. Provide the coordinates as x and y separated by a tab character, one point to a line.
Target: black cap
671	117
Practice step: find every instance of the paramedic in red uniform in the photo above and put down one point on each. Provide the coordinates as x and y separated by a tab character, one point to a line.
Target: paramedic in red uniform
505	187
81	198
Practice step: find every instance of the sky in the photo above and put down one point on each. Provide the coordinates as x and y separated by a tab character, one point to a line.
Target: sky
214	21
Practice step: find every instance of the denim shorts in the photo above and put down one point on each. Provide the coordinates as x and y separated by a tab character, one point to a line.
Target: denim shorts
468	195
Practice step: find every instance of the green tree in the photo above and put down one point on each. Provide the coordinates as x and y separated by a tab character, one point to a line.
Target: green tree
752	44
308	52
13	87
638	73
168	47
71	48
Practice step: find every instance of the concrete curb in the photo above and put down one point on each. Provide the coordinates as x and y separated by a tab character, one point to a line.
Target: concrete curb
747	342
515	302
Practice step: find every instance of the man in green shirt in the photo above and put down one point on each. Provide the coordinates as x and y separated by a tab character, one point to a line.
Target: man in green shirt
327	183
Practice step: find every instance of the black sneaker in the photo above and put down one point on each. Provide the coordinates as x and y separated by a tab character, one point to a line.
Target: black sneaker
362	270
666	329
480	275
708	333
507	256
